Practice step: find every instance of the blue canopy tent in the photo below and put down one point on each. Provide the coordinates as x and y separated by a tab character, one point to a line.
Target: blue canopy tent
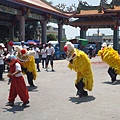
33	41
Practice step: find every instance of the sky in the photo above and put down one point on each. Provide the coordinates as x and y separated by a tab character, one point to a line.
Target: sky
71	32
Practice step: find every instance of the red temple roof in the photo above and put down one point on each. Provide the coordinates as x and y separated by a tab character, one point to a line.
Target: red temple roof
89	12
41	5
116	9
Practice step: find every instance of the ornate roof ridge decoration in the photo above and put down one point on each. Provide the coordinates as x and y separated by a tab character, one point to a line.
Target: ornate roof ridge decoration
85	6
103	5
63	8
51	5
57	8
116	2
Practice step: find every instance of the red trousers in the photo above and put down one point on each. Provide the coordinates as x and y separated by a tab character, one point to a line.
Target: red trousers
18	87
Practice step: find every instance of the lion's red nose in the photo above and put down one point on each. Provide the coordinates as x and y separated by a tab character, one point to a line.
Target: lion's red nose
65	48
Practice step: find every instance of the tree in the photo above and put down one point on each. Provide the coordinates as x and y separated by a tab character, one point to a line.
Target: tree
64	39
51	37
31	30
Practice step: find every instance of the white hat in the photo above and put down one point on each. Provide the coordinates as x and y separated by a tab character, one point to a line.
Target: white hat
104	44
43	45
2	45
22	41
34	44
49	43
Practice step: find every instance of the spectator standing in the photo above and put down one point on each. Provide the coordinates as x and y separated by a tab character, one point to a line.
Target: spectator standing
23	45
90	52
50	52
37	59
44	56
1	61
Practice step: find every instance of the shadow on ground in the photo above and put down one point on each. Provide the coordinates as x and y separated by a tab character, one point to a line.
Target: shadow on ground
109	82
16	108
78	100
32	89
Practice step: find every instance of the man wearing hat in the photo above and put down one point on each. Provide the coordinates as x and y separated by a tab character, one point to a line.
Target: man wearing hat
23	45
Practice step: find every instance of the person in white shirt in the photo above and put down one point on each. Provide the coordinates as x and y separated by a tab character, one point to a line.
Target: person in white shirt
1	61
50	53
37	59
44	56
23	45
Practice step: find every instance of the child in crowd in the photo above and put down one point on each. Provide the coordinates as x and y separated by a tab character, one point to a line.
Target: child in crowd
18	86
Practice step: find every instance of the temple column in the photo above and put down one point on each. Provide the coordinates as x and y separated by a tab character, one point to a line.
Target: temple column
60	28
11	29
44	31
83	32
22	27
116	37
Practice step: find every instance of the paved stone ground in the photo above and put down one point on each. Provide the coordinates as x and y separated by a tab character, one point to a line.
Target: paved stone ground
55	96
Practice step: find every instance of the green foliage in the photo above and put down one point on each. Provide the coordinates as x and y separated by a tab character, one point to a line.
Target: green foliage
31	30
51	37
64	39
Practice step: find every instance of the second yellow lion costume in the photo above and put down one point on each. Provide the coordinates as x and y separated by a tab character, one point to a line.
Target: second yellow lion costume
112	58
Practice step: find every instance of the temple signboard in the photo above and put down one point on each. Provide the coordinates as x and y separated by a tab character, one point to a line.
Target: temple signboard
53	20
5	23
35	16
9	10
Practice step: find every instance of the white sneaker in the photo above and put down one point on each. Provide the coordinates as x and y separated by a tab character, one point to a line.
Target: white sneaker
113	83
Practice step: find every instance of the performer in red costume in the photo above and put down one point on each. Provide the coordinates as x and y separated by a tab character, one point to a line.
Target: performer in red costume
18	86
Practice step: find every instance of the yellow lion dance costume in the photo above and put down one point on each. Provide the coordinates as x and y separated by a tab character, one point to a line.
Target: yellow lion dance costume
80	63
112	58
28	63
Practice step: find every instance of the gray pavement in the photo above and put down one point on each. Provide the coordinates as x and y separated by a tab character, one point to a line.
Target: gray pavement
55	96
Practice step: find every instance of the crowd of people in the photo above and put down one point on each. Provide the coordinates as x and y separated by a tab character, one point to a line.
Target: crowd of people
22	60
